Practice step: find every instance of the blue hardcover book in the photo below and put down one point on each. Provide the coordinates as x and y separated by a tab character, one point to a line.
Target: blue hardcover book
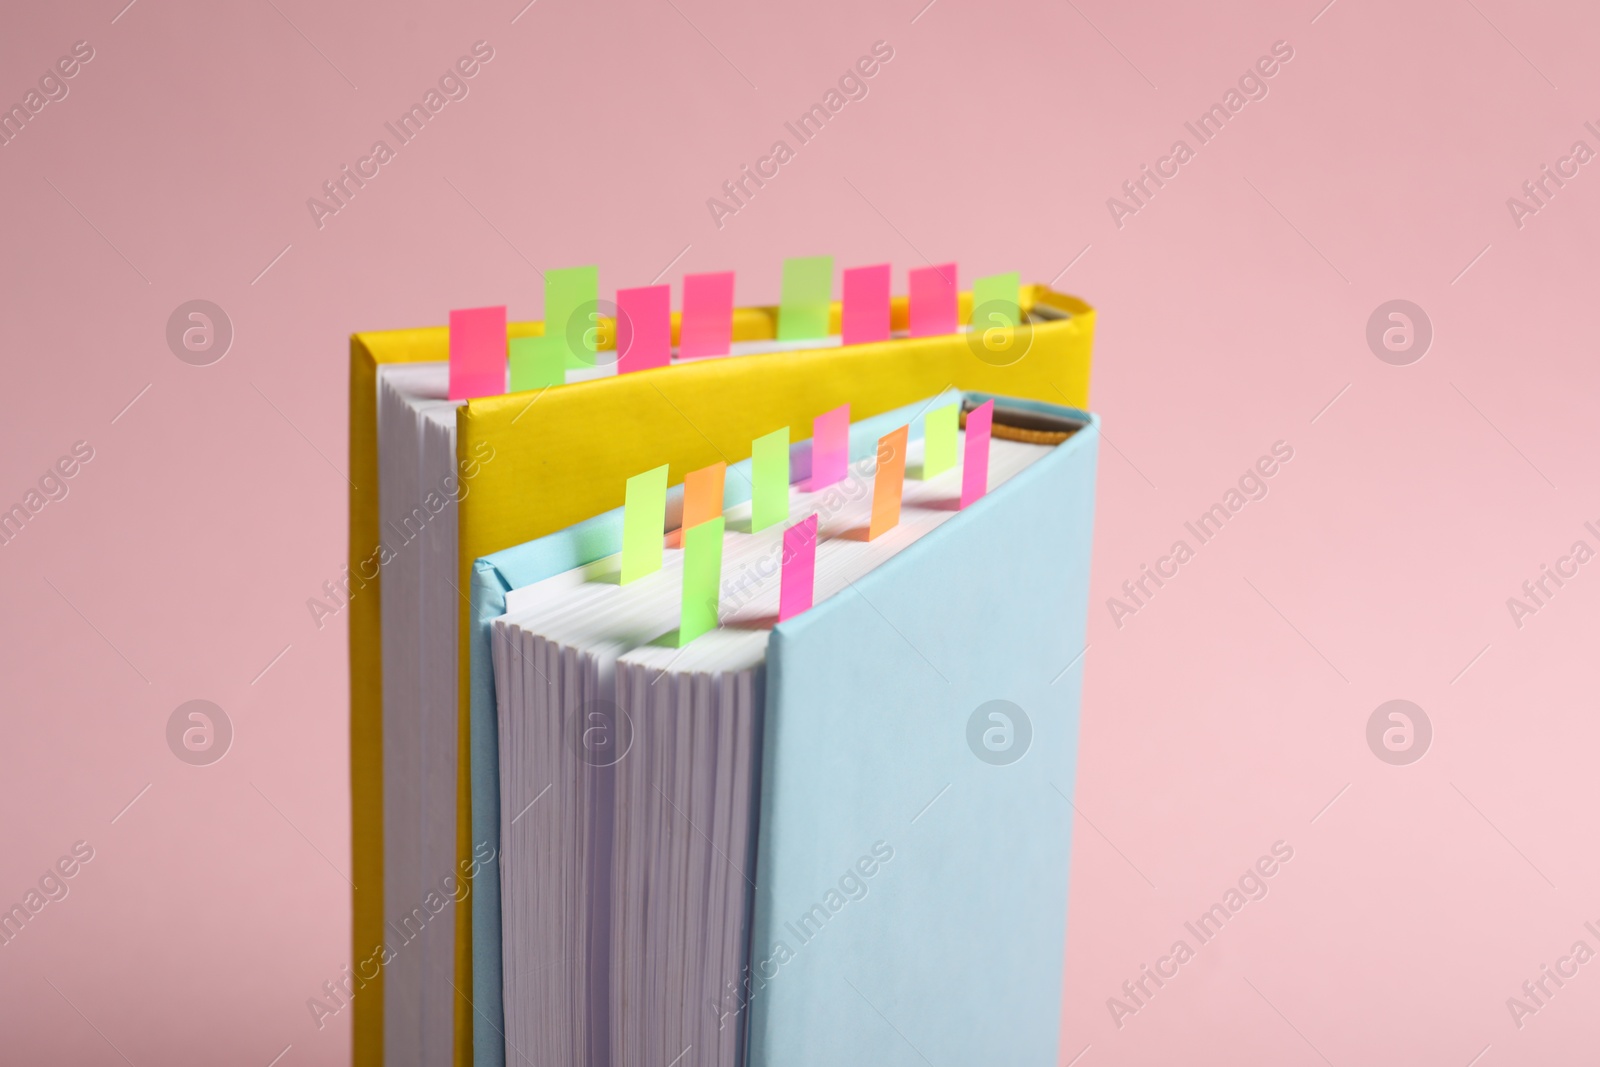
839	838
493	577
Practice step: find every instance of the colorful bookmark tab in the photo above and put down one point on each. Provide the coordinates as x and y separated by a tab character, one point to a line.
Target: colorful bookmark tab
807	298
644	518
769	480
939	434
477	352
830	448
799	578
996	301
702	578
644	328
889	483
706	326
865	314
536	362
933	300
975	463
702	494
572	312
702	499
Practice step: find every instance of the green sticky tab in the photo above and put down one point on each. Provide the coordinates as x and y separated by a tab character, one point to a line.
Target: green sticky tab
644	523
769	480
996	301
939	428
807	298
572	312
702	579
536	362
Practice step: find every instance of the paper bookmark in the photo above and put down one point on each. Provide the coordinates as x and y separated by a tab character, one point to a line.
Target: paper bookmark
702	499
706	325
807	299
889	483
702	579
572	312
996	301
975	461
644	328
939	435
536	362
830	448
644	517
933	301
769	479
477	352
864	316
799	578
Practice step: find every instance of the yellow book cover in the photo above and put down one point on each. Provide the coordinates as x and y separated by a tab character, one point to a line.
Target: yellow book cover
564	454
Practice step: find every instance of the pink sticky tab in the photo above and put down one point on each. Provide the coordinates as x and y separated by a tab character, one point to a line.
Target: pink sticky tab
706	327
799	577
975	461
477	352
933	300
830	448
644	328
865	315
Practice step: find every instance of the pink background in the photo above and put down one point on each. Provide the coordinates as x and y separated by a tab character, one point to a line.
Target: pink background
1224	716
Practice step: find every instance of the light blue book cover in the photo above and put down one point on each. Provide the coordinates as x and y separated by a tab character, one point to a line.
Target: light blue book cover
920	747
492	578
920	750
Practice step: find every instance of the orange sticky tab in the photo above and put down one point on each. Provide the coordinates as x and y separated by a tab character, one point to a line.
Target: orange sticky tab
888	483
702	493
702	498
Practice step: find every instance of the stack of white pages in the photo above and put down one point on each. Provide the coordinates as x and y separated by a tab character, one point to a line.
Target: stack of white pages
420	483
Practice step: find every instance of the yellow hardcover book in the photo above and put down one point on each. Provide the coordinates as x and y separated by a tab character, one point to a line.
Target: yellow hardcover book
564	454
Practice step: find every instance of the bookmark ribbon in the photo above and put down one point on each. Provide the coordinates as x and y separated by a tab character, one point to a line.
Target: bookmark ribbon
644	518
798	580
702	499
572	312
888	483
830	448
864	314
706	325
996	301
477	352
702	578
536	362
934	303
975	461
807	300
940	432
644	328
769	480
